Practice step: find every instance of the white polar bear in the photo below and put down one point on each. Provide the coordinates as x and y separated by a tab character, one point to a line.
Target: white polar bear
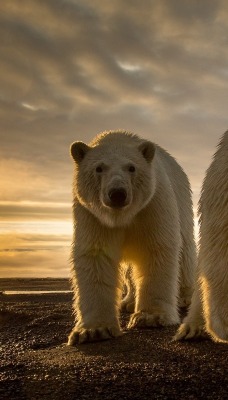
132	204
209	309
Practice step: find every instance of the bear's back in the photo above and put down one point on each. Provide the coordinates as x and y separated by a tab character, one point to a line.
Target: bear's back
112	138
213	204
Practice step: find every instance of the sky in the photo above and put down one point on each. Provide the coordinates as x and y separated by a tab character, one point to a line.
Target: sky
70	69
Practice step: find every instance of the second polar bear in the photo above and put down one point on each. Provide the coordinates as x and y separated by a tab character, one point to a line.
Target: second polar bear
209	308
132	204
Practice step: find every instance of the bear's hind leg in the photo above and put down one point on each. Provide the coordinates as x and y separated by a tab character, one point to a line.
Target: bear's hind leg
188	261
128	302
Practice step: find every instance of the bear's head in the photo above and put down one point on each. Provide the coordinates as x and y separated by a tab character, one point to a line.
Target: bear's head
114	178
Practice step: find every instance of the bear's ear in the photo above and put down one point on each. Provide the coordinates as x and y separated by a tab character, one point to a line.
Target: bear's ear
147	149
78	151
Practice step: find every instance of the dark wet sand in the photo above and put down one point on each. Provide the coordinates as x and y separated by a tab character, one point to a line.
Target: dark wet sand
35	362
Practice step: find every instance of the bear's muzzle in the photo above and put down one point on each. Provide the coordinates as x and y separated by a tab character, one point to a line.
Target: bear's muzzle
117	197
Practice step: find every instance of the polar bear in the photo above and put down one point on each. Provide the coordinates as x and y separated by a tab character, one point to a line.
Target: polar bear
131	204
209	309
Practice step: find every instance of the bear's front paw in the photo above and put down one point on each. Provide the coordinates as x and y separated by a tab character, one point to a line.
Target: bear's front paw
82	335
145	320
190	330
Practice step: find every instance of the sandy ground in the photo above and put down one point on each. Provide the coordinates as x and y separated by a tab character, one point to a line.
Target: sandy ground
35	362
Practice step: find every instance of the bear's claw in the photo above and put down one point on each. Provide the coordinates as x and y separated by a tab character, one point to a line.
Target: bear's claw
188	331
146	320
82	335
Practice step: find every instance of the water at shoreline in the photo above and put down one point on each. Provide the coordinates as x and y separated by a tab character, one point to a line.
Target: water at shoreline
13	292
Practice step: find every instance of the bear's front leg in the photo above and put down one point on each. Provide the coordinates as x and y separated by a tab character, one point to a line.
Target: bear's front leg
97	297
214	285
156	292
193	325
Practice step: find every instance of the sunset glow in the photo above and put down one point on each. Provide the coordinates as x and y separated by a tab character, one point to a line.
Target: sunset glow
35	248
71	69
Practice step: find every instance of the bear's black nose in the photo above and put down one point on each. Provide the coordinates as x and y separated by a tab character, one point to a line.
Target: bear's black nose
118	197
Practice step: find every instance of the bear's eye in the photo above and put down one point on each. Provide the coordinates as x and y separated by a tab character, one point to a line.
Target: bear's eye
131	168
99	169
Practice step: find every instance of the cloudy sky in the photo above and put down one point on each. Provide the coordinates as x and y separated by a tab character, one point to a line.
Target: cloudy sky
72	68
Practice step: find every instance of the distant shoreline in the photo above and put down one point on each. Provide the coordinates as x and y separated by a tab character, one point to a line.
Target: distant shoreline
34	285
